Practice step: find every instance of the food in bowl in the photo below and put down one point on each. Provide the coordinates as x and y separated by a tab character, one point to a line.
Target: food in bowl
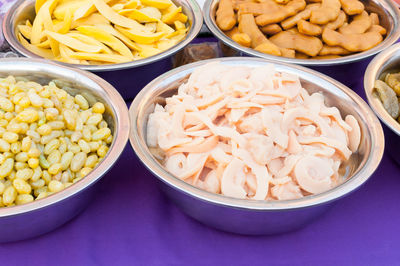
298	29
103	32
389	93
251	133
49	139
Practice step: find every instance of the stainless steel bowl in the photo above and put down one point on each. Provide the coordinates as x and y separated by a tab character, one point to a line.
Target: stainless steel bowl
389	16
249	216
142	71
41	216
387	61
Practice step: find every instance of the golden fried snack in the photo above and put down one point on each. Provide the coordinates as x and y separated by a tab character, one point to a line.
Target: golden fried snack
282	2
374	18
305	14
330	56
333	50
302	43
283	12
352	42
308	28
258	8
290	53
360	24
338	22
271	29
377	28
313	1
236	3
352	7
225	16
241	38
259	42
328	11
299	55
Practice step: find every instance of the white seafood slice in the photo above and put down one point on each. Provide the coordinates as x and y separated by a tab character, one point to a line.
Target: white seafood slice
354	134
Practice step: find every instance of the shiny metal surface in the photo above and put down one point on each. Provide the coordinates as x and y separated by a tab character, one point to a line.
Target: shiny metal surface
250	216
38	217
25	9
387	61
389	16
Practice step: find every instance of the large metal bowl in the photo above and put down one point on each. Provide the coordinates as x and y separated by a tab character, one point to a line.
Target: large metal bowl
389	15
249	216
41	216
387	61
120	75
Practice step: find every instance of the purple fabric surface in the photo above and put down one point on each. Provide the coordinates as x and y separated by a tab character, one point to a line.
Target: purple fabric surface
130	222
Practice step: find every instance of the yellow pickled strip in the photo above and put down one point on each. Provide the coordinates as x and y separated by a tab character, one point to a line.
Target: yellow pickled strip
37	26
63	7
38	5
140	16
110	58
132	4
179	25
86	10
65	53
123	38
66	25
73	43
162	27
26	31
90	41
170	17
36	50
160	4
48	25
106	38
148	50
141	37
93	19
45	44
116	18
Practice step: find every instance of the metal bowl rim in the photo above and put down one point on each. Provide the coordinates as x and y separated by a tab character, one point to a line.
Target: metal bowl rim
195	28
375	154
121	134
391	38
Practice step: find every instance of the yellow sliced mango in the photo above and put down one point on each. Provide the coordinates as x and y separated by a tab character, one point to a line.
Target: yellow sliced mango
45	44
179	36
148	50
93	19
151	12
48	25
74	43
86	9
114	17
182	18
123	38
132	4
72	6
179	25
170	17
28	23
165	44
110	58
140	16
38	5
45	53
66	24
89	40
38	26
106	38
118	7
25	30
151	26
65	53
160	4
162	27
141	37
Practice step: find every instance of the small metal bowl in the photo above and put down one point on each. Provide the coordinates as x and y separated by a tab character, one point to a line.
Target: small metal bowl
389	16
387	61
41	216
141	71
250	216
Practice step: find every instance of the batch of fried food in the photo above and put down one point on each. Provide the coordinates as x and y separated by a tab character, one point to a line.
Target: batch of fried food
319	29
389	93
49	139
251	133
99	32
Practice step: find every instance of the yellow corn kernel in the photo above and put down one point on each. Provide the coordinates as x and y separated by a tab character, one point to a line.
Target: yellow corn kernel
69	117
33	153
26	144
98	108
23	128
14	127
51	114
85	171
23	199
78	161
56	125
22	186
84	115
9	195
103	124
47	103
41	195
84	146
66	159
8	154
15	147
43	162
101	134
76	180
55	186
44	130
51	146
6	104
69	103
46	177
20	165
55	168
82	102
33	163
37	174
54	157
77	135
10	137
65	177
94	145
91	161
86	134
24	174
94	119
2	130
102	151
4	146
79	124
2	188
45	93
74	148
38	184
28	116
17	97
109	139
3	122
6	167
24	102
35	99
21	157
37	191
